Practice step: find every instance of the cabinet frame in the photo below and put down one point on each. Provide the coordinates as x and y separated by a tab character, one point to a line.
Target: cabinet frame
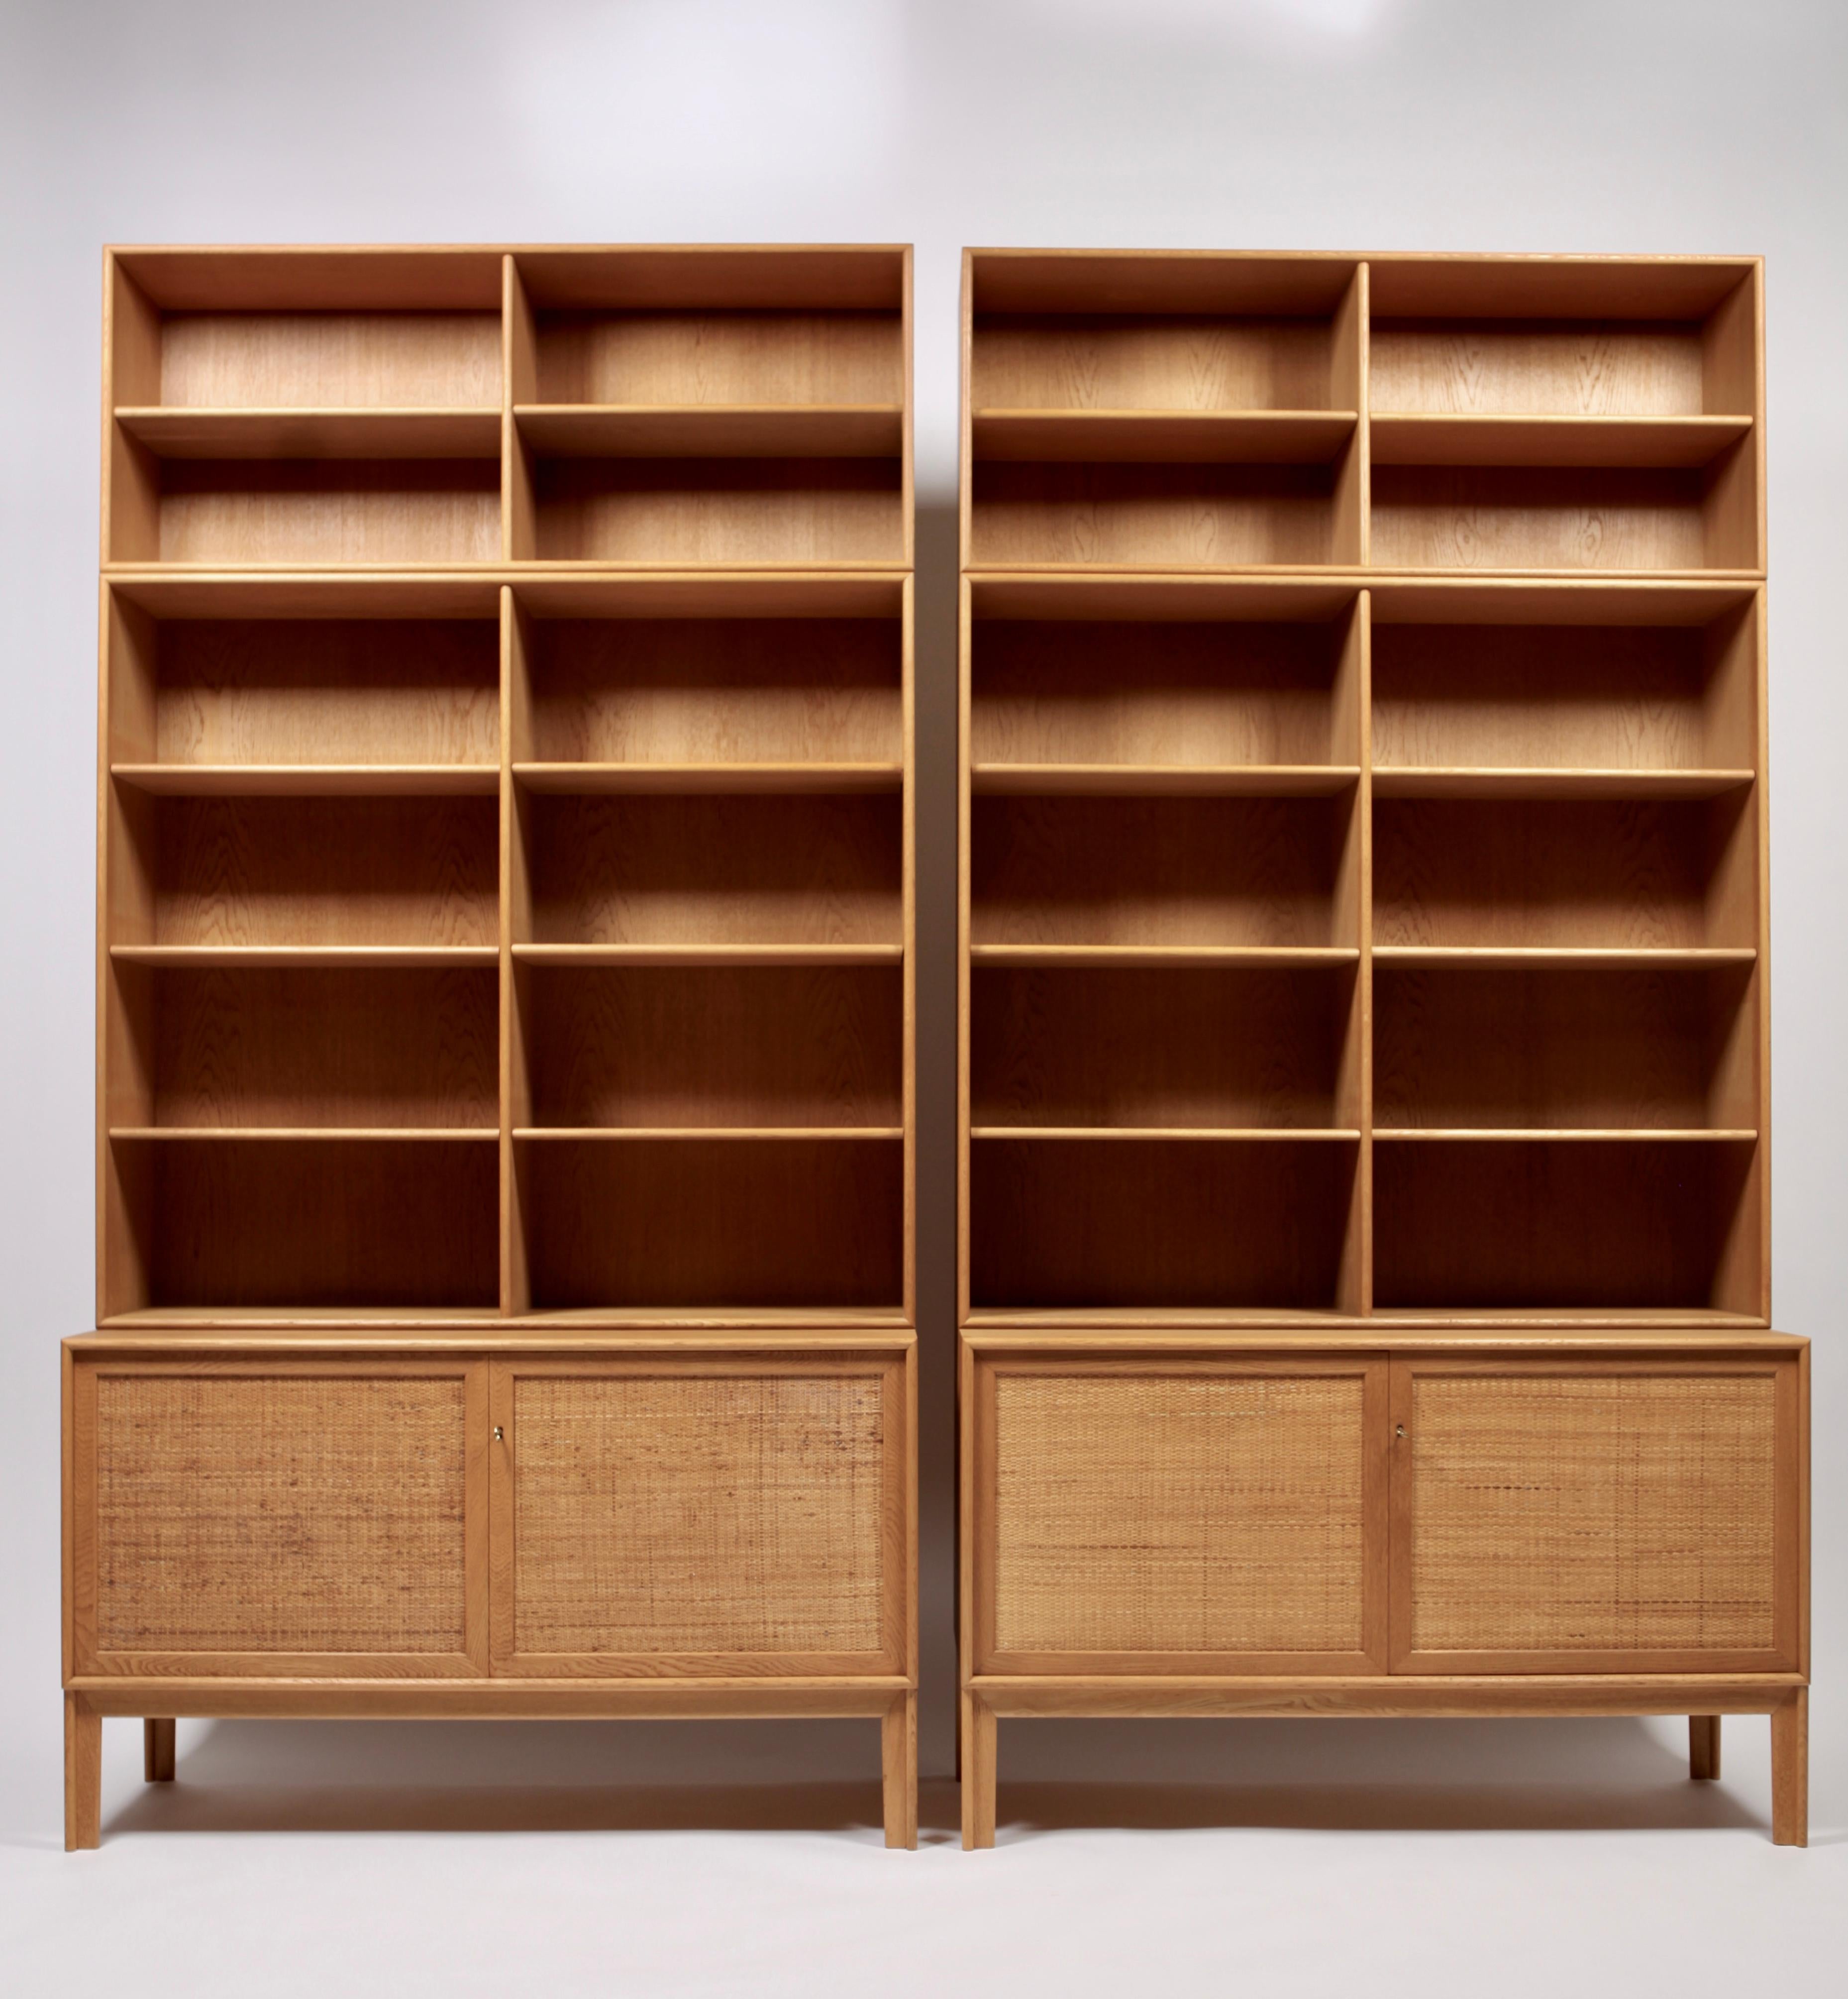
1789	1651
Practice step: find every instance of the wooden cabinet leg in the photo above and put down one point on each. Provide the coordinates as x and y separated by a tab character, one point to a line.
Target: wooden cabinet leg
83	1774
1790	1771
1704	1746
978	1774
158	1751
898	1747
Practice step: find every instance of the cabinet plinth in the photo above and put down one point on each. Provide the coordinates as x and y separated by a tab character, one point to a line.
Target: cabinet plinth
1363	1252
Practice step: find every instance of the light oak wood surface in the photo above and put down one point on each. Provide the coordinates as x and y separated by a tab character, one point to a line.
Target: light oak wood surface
1364	963
505	921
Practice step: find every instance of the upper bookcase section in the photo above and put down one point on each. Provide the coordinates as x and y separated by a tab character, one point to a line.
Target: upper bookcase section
735	407
1490	415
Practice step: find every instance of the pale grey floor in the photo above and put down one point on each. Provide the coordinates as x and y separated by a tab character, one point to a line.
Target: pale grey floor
1502	1857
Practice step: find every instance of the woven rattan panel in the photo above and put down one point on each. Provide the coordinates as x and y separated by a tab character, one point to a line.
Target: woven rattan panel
1170	1514
1616	1513
285	1515
702	1514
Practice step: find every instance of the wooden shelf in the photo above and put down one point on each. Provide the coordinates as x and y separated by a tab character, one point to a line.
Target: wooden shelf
210	780
1252	437
1258	1134
1052	957
569	777
703	1134
796	430
173	432
1540	781
312	1133
1447	438
285	956
1249	781
714	955
1556	1134
1495	957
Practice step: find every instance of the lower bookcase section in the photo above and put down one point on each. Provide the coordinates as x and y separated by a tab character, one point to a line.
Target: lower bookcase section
728	1531
1268	1220
1157	1526
727	1223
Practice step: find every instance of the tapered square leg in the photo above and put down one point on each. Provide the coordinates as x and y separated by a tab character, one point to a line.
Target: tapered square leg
83	1774
158	1751
1790	1771
899	1745
978	1773
1704	1746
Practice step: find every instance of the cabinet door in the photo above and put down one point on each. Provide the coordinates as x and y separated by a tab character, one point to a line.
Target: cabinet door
708	1517
1194	1515
278	1519
1634	1516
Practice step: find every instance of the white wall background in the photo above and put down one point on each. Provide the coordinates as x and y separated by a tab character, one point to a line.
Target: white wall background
1618	125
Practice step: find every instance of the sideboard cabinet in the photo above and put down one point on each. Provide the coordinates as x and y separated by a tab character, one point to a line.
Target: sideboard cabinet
504	996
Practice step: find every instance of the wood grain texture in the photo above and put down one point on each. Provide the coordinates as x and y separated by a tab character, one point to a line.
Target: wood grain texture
1638	873
1614	1049
328	1222
1605	367
1108	693
756	1045
1601	1518
418	871
1150	1516
1071	1224
322	510
751	870
330	360
1129	361
331	691
1641	697
1140	1048
679	511
1223	516
1790	1771
1580	1226
731	690
1157	871
1542	518
83	1775
714	357
287	1514
256	1047
690	1223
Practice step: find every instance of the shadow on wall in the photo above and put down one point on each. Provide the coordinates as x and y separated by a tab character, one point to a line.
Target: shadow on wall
635	1776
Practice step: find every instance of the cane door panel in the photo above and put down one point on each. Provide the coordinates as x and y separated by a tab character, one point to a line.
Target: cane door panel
280	1519
1613	1517
1196	1516
744	1516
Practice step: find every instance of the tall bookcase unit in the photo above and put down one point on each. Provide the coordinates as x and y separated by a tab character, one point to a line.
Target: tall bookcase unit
1363	1043
505	1078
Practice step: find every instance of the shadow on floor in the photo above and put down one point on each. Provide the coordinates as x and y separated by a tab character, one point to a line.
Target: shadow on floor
514	1776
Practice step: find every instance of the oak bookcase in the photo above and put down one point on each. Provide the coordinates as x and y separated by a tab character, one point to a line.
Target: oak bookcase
505	1078
1364	1286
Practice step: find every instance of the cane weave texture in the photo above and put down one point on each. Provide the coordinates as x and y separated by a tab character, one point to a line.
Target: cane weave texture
1140	1514
288	1514
1608	1514
701	1514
